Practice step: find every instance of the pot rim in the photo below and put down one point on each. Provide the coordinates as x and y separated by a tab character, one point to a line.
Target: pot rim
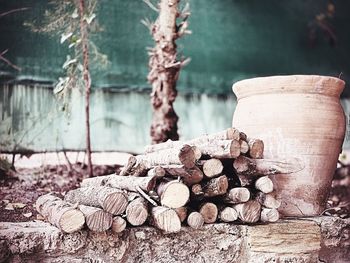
280	84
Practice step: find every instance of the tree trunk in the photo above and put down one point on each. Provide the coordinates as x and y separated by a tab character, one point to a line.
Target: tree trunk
87	80
164	72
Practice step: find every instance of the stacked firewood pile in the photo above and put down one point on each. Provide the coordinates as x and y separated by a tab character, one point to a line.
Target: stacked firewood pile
214	178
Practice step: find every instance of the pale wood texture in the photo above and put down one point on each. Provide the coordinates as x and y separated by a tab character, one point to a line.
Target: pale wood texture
195	220
182	213
129	183
209	211
237	195
215	186
173	194
165	219
212	167
137	211
118	224
228	214
184	155
221	149
189	176
264	184
111	200
157	171
249	212
269	215
228	134
256	148
244	146
60	213
268	200
96	219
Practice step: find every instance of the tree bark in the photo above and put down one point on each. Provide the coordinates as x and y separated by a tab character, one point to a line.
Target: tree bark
60	213
96	219
87	80
164	72
189	176
237	195
182	213
215	187
111	200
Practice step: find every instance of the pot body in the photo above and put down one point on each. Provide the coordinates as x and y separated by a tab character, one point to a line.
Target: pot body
296	116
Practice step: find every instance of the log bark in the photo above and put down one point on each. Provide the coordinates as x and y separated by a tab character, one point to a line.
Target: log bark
137	212
111	200
264	184
228	134
164	72
189	176
256	148
268	200
269	215
182	213
195	220
184	155
212	167
249	212
96	219
228	214
128	183
59	213
209	211
215	187
244	146
127	168
157	171
165	219
221	149
118	224
173	194
237	195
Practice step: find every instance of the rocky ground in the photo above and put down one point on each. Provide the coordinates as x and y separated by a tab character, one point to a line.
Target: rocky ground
19	189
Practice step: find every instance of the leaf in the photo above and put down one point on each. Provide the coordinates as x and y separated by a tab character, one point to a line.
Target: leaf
68	62
27	214
64	37
90	18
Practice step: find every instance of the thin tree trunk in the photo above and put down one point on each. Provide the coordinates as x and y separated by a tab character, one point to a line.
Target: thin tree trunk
164	72
87	81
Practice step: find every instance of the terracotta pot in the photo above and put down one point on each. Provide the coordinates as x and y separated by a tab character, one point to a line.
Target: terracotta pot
296	116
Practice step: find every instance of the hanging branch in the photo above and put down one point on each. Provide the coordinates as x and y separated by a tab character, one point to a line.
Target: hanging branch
87	81
165	67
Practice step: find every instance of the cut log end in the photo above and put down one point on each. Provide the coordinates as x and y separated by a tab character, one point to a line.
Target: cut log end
212	168
118	224
269	215
264	184
182	213
173	194
232	134
237	195
244	147
209	211
72	221
216	186
137	212
228	214
195	220
187	156
100	221
249	212
115	203
235	149
165	219
256	148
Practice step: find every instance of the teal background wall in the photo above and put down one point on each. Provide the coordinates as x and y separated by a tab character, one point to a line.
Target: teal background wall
231	40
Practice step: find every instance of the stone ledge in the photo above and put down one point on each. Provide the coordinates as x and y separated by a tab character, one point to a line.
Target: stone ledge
303	240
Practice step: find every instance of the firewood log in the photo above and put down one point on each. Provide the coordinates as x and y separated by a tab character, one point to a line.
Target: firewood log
129	165
228	214
264	184
221	149
189	176
137	212
269	215
184	155
248	212
237	195
197	190
244	146
209	211
111	200
165	219
173	194
118	224
96	219
128	183
268	200
181	212
157	171
212	167
243	136
195	220
256	148
247	166
60	213
215	186
228	134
